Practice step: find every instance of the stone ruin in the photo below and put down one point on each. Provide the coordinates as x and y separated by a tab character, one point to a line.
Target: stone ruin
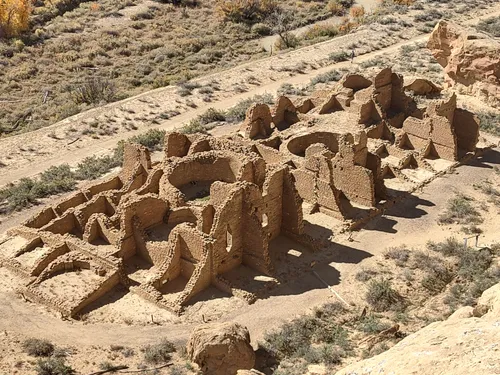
169	230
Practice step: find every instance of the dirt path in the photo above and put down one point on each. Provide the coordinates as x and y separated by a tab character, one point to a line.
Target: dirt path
268	42
403	224
31	153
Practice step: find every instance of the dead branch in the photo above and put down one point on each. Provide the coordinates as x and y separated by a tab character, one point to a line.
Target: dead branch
73	141
111	369
143	370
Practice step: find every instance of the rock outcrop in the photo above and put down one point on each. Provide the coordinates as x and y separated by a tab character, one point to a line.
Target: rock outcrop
421	86
466	343
221	349
470	60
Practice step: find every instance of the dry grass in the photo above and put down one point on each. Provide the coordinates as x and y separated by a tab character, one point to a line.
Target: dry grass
86	54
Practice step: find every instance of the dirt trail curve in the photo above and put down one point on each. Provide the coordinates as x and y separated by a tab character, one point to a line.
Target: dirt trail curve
28	154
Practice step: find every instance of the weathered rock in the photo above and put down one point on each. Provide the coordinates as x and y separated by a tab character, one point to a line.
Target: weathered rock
221	349
258	122
421	86
471	60
456	346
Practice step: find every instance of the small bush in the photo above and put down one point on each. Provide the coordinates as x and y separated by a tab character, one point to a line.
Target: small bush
93	167
245	11
491	26
53	366
212	115
339	56
321	31
27	191
329	310
38	347
399	254
382	297
158	353
449	247
292	339
152	139
460	210
261	29
336	8
331	76
365	275
93	91
372	324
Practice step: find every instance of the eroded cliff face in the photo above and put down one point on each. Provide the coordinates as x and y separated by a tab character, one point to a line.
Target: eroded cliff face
471	60
468	342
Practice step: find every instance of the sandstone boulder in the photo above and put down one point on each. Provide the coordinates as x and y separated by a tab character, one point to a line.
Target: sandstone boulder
421	86
461	345
221	349
257	122
470	60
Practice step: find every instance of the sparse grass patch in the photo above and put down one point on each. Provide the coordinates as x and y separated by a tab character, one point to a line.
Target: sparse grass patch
400	255
93	91
318	338
365	275
158	353
53	366
331	76
339	56
382	297
460	210
289	89
471	266
372	324
489	122
204	122
38	347
93	167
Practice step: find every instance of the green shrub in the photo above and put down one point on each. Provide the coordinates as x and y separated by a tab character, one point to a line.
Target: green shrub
93	167
27	191
399	254
460	210
294	339
93	91
38	347
339	56
212	115
372	324
321	31
365	275
382	297
449	247
158	353
261	29
331	76
53	366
